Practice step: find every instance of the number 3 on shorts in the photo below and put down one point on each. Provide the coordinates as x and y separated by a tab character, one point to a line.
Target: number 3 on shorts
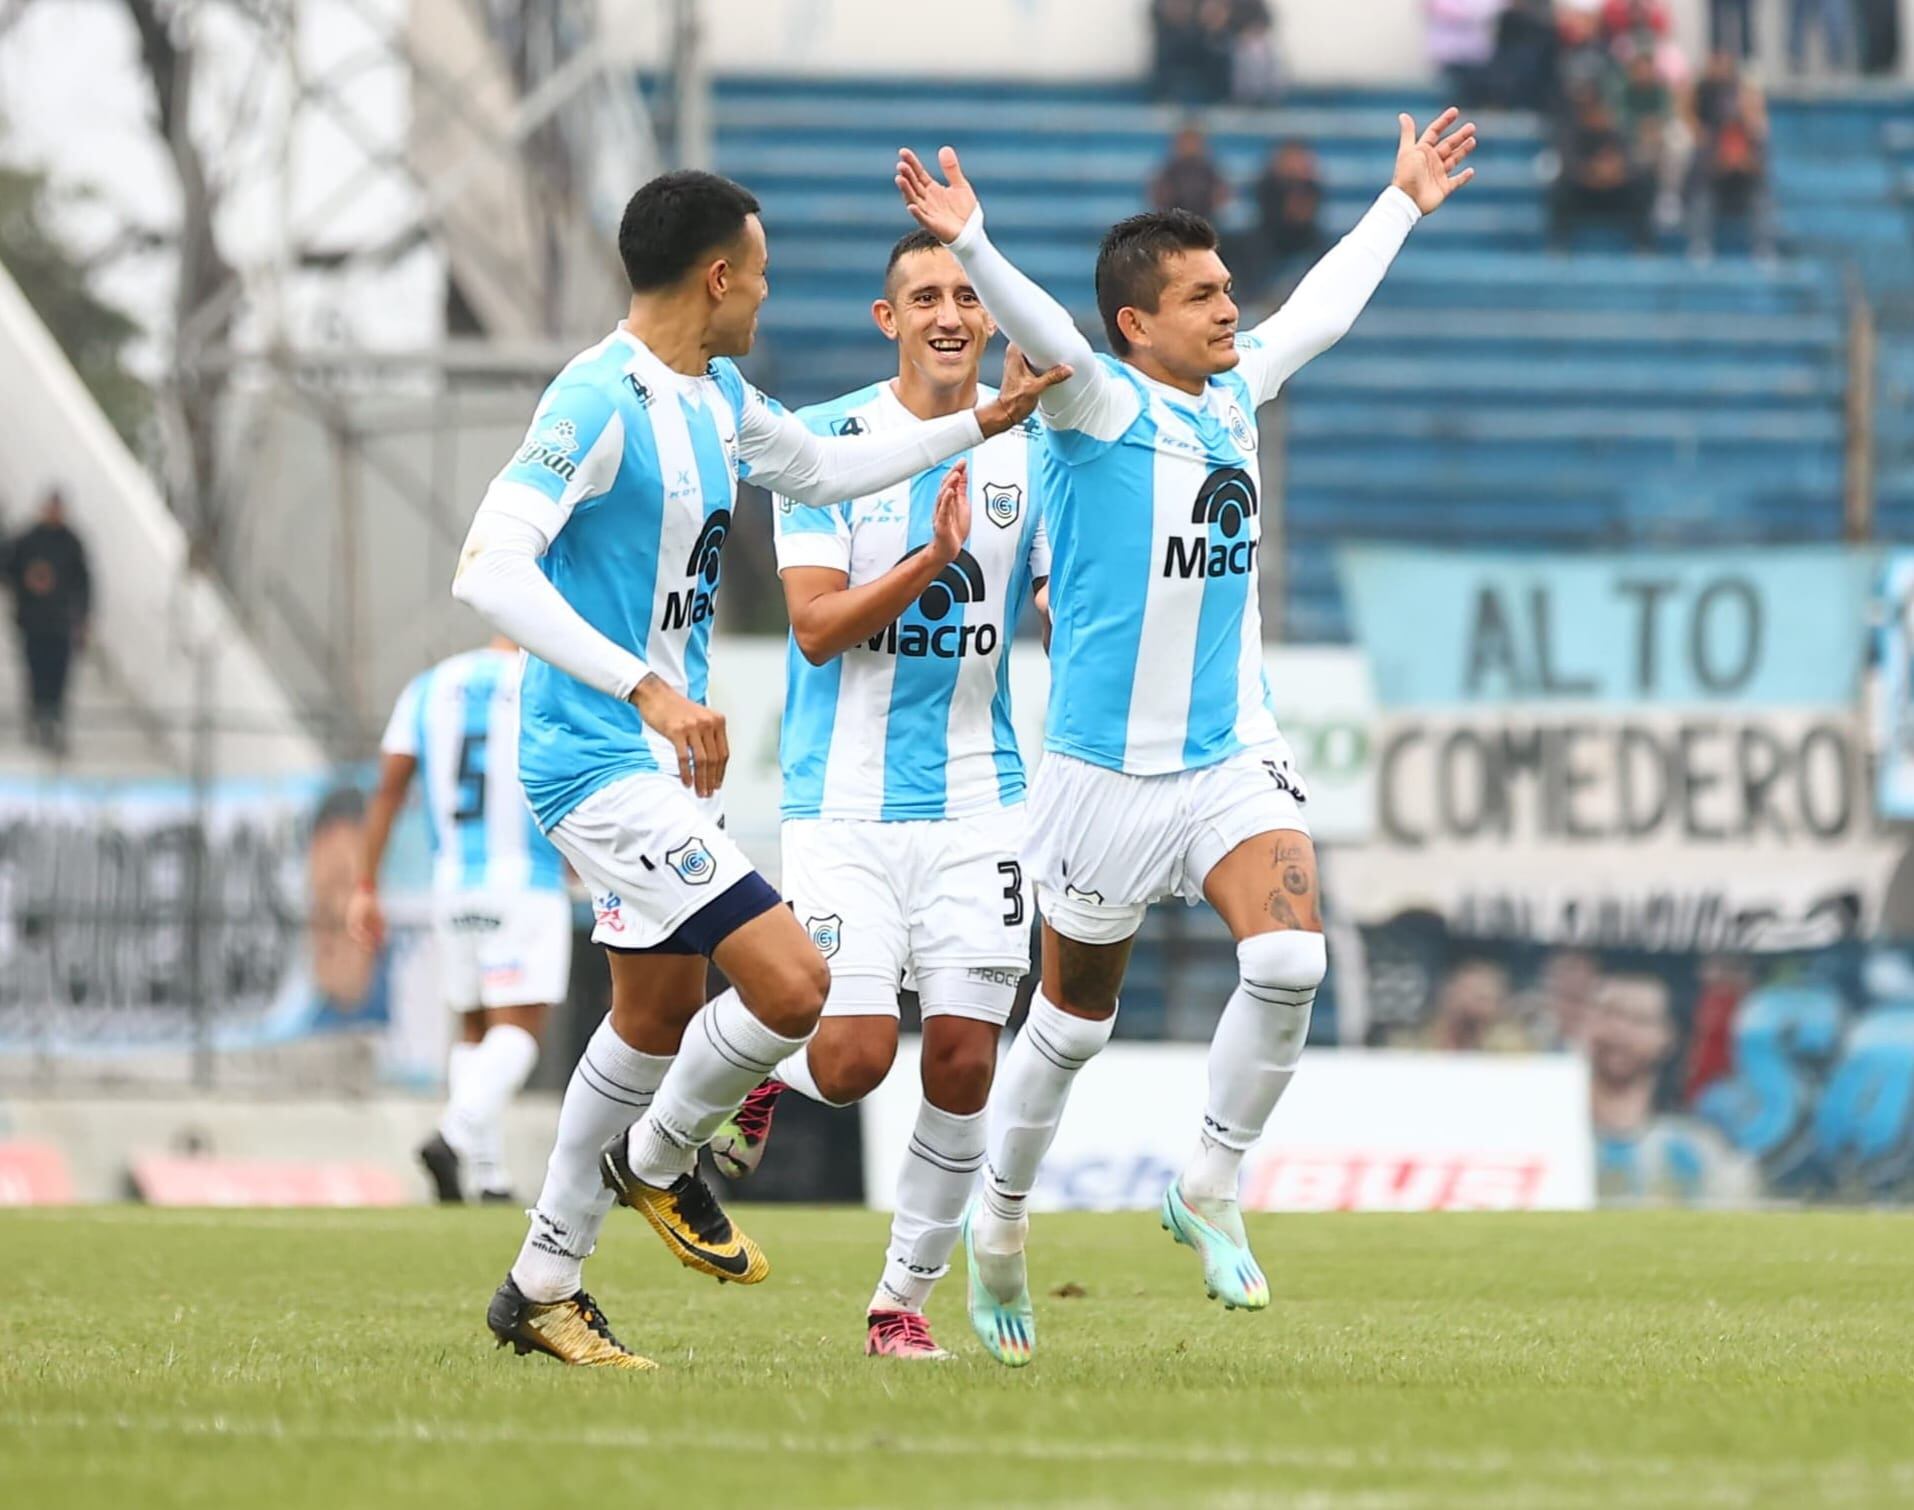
1012	873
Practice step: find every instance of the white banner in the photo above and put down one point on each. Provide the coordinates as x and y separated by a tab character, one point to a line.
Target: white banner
1323	699
1359	1130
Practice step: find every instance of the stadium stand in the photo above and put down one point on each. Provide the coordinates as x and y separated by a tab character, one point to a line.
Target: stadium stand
1494	392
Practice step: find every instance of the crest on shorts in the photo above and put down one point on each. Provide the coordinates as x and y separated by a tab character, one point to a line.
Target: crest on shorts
1078	894
1003	503
692	863
826	932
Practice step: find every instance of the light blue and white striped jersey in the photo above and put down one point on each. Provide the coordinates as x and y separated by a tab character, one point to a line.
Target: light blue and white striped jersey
459	721
915	722
642	463
1156	644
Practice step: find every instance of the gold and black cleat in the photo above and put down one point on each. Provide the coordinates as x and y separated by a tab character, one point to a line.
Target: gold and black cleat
688	1217
573	1331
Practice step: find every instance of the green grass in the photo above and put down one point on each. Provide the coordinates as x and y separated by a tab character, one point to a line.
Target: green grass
290	1360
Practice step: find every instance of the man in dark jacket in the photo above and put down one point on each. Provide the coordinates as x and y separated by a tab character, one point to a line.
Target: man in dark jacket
52	597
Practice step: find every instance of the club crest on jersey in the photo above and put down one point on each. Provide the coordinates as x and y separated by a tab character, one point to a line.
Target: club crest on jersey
1241	430
1003	504
692	863
826	932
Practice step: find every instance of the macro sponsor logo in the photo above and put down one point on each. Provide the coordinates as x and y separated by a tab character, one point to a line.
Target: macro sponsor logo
697	603
1225	506
960	582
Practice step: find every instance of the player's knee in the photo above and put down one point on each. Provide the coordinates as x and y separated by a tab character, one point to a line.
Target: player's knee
1281	972
849	1069
790	1001
957	1073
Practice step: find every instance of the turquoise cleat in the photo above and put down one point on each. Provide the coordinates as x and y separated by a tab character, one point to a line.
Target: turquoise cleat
1229	1268
1007	1329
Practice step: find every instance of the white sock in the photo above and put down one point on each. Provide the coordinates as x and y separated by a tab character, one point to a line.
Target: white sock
457	1059
492	1073
726	1052
794	1071
1254	1054
1026	1104
612	1086
940	1169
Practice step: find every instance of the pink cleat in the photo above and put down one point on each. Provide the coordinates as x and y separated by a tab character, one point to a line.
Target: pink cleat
902	1334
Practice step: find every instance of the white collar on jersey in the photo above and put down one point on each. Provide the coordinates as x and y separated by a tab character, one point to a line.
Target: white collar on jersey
894	406
652	368
1172	395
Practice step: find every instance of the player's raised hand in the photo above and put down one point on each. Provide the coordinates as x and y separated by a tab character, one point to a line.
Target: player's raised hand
1426	165
941	207
1022	386
950	523
695	731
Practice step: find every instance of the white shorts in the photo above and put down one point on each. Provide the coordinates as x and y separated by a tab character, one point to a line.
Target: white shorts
887	901
1103	845
652	853
503	948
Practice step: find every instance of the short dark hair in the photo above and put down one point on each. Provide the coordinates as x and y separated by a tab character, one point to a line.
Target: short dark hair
676	219
918	240
1130	262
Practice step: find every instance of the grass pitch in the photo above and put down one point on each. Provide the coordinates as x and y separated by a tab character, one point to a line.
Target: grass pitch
292	1360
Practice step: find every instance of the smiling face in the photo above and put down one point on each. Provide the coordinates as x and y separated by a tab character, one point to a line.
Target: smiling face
739	282
930	309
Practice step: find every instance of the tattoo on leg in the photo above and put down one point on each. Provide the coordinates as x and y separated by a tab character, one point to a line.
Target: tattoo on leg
1282	911
1092	973
1296	881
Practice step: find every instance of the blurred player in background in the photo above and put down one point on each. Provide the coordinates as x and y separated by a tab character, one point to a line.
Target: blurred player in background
597	548
1164	772
903	786
500	916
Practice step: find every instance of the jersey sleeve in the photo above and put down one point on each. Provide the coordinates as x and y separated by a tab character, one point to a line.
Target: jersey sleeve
1326	303
570	455
1039	557
776	451
809	535
402	729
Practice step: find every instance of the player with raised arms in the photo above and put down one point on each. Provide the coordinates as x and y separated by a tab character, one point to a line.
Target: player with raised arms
903	785
500	917
1164	773
597	548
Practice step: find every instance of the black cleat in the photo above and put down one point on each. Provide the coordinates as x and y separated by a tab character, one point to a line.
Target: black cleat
688	1217
573	1331
497	1198
441	1163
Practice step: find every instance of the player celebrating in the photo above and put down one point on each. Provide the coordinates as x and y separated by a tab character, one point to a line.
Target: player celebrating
597	549
1164	771
500	916
903	787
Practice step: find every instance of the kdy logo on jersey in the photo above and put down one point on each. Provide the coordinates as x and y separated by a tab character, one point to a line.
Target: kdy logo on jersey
960	582
692	863
1003	504
1225	506
826	932
697	602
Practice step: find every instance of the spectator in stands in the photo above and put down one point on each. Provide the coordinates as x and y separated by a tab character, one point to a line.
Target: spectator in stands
1462	43
1835	21
1289	202
46	570
1880	26
1600	178
1523	73
1256	71
1558	1006
1731	27
1631	26
1184	70
1657	140
1190	179
1729	120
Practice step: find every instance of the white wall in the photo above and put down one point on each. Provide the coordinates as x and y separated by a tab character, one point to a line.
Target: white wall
1056	39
